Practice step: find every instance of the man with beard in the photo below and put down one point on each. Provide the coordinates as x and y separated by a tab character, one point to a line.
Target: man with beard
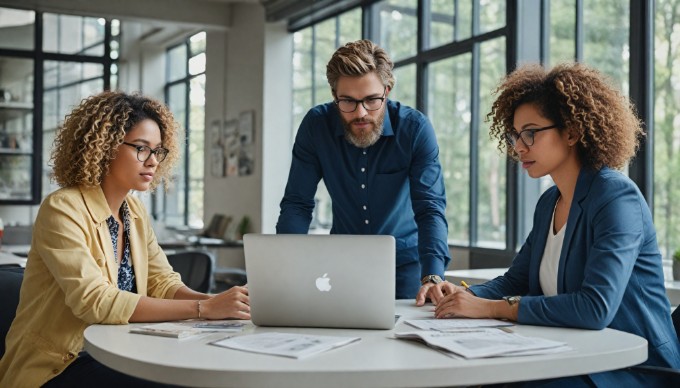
379	161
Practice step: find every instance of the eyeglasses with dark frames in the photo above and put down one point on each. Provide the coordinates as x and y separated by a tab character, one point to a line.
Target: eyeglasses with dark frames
526	135
145	152
349	105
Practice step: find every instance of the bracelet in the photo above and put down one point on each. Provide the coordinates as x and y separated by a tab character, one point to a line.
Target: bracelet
198	307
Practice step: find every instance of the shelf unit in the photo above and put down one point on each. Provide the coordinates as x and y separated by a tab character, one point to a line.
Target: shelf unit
16	152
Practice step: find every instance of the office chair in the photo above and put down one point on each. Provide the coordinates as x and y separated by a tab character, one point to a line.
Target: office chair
226	278
10	284
672	374
195	267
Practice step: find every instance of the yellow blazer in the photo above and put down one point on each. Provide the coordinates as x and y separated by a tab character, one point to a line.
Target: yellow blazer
71	282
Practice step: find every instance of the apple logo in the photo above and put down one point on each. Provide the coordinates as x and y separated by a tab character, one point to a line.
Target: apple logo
323	283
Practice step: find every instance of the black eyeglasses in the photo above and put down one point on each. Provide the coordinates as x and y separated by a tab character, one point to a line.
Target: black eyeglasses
526	135
145	152
349	105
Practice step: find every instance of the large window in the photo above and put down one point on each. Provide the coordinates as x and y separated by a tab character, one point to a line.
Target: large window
594	32
82	53
182	204
667	126
461	75
450	55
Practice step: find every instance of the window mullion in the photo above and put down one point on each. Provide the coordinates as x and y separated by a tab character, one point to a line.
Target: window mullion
474	144
578	41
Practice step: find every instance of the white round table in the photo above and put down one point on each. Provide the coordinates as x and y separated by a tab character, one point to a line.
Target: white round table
377	360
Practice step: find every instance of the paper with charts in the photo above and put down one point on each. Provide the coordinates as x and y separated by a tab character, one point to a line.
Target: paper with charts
284	344
487	342
456	324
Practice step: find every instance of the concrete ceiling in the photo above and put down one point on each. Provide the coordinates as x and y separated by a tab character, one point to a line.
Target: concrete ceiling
204	13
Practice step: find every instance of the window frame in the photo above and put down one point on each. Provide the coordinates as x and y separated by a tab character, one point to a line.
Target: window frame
159	203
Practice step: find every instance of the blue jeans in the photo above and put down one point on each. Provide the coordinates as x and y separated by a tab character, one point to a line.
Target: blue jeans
87	372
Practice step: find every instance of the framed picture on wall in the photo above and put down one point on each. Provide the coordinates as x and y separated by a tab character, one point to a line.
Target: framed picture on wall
245	126
216	132
217	161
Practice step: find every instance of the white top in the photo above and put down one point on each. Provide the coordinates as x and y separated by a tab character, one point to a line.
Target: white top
550	262
377	360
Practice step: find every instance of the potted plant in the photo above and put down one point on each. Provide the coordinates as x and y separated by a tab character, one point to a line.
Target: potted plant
676	265
243	227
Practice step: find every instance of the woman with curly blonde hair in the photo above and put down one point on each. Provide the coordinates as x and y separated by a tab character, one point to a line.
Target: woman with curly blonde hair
94	258
591	260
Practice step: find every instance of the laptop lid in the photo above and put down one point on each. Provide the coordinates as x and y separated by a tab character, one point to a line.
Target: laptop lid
344	281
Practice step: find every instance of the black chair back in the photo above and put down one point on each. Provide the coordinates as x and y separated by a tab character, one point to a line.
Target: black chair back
10	285
195	267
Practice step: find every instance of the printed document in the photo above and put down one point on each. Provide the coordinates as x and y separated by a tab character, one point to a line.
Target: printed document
284	344
486	342
184	329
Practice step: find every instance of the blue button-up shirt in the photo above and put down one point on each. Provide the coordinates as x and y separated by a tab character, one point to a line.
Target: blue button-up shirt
394	187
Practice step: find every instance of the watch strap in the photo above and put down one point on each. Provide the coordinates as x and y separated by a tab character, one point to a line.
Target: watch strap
436	279
512	300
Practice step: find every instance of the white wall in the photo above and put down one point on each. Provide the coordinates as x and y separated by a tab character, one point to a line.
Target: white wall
277	133
234	73
249	68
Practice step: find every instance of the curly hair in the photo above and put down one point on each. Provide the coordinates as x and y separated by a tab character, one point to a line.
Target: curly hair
359	58
89	138
576	98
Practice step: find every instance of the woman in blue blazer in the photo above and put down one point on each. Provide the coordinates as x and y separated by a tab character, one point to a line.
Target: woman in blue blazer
591	260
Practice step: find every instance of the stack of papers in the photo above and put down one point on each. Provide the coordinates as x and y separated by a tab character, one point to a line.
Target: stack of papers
284	344
486	343
477	338
184	329
456	324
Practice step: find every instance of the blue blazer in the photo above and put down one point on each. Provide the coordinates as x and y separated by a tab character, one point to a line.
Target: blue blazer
610	272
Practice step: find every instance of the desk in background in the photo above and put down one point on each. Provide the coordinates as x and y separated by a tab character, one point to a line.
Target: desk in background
12	260
224	276
199	243
673	292
473	276
18	250
377	360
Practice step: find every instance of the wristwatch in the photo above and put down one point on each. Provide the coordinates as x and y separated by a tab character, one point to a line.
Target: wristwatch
512	300
431	279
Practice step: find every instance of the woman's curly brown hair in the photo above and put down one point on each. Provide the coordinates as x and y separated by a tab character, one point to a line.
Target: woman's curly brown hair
576	98
88	140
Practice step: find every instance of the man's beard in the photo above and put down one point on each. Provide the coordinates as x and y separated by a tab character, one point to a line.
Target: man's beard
368	137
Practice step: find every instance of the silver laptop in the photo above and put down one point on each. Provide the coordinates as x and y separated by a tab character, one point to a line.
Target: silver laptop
344	281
